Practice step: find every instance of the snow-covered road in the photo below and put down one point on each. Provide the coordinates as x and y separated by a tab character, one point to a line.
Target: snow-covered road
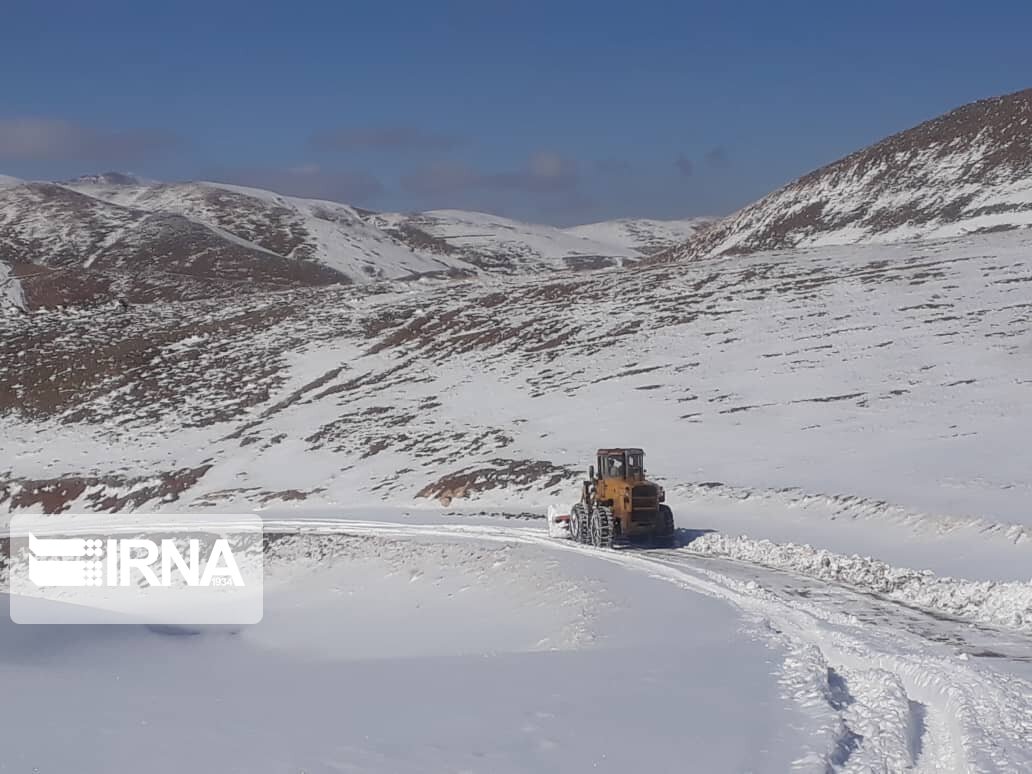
897	688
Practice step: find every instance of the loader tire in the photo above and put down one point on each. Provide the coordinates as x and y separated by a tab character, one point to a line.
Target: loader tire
665	535
602	527
579	523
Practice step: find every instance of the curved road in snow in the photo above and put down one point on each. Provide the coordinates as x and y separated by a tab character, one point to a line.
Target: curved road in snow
911	690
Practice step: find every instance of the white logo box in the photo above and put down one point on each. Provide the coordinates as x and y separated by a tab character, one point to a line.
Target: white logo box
90	568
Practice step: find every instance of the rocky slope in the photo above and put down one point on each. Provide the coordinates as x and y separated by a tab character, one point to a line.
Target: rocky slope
334	394
967	171
68	247
330	234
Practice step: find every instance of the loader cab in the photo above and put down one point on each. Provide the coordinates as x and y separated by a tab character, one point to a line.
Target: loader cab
626	464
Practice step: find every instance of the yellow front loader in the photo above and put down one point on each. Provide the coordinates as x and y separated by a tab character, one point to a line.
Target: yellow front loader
619	504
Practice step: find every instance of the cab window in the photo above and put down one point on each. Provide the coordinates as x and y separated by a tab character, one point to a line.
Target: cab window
635	463
614	466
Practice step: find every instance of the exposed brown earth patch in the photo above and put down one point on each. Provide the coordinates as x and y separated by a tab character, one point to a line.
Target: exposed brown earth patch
510	474
107	493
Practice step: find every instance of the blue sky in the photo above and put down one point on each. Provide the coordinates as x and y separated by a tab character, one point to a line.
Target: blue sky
560	111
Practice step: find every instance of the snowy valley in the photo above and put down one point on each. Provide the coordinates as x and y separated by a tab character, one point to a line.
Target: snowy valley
112	237
837	411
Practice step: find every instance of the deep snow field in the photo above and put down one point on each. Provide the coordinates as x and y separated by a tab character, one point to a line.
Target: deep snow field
409	648
842	433
414	655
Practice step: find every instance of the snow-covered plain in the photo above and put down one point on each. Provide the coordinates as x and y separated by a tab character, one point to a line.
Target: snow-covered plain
399	647
507	246
643	234
390	654
841	433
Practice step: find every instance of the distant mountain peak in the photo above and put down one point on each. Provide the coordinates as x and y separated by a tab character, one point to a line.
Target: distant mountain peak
106	178
1003	125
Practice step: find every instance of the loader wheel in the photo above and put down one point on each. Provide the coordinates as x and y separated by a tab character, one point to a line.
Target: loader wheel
602	527
664	535
579	523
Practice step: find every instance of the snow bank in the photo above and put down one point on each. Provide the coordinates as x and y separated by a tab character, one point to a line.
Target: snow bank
558	520
1001	604
854	507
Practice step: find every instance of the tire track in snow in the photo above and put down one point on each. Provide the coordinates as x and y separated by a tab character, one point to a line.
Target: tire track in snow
974	719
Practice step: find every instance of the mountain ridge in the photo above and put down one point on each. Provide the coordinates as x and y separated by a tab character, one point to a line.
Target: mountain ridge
114	235
98	237
967	170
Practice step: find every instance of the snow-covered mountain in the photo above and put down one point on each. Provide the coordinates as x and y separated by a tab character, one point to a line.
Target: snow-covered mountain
642	234
967	171
113	235
501	245
324	232
69	247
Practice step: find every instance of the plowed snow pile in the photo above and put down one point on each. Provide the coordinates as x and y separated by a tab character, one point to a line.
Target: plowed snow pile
1004	604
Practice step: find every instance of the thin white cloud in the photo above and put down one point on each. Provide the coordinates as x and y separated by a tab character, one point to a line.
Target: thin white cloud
46	139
